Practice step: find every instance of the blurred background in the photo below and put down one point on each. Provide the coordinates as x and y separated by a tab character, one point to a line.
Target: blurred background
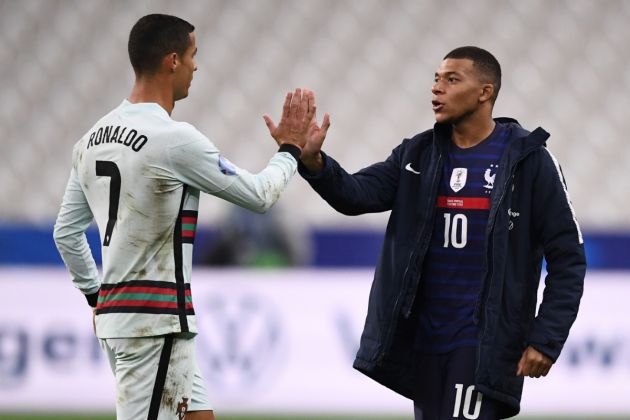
262	278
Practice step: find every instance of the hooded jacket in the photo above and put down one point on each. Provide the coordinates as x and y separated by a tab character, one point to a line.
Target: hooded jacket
530	216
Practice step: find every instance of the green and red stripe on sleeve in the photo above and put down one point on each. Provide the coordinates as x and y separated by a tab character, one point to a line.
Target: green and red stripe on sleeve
189	226
142	296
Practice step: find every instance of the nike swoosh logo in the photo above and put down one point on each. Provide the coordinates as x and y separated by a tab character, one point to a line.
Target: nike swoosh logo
410	169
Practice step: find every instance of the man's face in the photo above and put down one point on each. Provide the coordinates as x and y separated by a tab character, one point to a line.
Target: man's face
185	69
457	90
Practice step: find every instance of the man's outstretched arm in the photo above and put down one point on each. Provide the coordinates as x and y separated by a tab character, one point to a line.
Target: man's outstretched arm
370	190
198	162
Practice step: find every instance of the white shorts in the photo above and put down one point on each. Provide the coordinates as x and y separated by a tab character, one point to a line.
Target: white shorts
157	378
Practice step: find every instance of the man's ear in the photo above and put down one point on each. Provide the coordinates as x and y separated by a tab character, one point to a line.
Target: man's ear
171	62
487	92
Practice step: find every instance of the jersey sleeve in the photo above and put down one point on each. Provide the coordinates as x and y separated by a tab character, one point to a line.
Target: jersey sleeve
69	233
198	163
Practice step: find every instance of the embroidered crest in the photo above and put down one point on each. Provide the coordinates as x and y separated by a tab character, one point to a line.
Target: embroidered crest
489	177
458	178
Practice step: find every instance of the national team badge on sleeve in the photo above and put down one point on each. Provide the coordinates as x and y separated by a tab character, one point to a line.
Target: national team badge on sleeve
458	178
226	167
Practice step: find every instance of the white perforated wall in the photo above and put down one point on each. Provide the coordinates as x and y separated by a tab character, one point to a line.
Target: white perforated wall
565	64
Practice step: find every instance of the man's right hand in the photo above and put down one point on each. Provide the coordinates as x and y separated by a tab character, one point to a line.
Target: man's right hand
297	113
311	156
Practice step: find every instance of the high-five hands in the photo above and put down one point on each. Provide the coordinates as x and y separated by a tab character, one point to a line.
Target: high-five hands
297	113
311	158
298	126
533	364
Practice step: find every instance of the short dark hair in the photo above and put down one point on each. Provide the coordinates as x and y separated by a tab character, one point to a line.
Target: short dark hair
153	37
488	66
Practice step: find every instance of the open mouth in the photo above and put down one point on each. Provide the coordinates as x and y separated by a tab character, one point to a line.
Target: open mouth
437	106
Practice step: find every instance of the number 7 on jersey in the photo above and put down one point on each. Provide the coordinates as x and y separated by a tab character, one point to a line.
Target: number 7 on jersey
107	168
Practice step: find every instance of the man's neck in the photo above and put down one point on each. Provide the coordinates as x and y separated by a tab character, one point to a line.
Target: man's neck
153	89
472	131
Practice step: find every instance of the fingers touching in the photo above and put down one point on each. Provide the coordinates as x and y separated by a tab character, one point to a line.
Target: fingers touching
311	107
287	105
298	115
296	105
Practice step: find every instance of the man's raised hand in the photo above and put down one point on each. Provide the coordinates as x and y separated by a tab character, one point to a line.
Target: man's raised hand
311	156
297	113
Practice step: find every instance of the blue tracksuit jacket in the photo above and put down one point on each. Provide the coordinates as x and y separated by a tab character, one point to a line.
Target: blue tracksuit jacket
530	216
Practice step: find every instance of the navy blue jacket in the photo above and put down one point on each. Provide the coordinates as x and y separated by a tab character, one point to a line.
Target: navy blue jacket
530	216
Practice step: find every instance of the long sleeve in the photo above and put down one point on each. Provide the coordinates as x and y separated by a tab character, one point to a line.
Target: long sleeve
370	190
199	164
69	234
563	247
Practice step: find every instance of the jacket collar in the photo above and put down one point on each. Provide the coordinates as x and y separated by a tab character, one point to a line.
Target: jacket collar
521	141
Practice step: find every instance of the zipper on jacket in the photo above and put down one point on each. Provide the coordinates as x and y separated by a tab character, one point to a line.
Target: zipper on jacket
489	268
390	332
429	216
491	230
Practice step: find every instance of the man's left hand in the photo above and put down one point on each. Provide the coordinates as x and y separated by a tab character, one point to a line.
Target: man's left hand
533	364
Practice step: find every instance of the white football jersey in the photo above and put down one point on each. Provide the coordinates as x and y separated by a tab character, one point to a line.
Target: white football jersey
138	173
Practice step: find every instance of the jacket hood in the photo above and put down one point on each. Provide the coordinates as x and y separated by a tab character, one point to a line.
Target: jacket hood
522	140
